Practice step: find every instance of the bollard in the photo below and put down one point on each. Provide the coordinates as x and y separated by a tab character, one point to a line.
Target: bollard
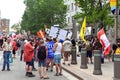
116	67
83	59
97	62
74	60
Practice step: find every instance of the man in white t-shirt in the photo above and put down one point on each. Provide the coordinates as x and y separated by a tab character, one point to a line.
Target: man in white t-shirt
67	47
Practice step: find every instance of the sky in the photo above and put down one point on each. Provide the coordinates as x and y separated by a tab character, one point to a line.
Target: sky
12	9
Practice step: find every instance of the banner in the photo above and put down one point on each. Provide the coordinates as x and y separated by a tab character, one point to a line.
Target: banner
54	32
62	34
104	41
88	30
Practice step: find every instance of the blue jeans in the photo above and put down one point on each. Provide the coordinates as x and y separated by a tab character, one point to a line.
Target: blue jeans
6	59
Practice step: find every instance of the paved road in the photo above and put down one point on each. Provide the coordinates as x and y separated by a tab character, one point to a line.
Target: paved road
18	72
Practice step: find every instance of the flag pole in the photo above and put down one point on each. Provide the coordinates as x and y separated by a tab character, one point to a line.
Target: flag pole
116	21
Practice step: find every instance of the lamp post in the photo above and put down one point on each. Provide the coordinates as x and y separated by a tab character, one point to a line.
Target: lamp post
74	31
116	21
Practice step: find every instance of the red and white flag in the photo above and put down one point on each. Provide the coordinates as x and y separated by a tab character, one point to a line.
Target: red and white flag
40	34
14	36
104	41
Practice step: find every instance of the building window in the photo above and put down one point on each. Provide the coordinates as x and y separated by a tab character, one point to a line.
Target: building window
68	7
72	6
75	8
68	19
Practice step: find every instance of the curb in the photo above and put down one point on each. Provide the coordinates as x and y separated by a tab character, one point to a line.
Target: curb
72	73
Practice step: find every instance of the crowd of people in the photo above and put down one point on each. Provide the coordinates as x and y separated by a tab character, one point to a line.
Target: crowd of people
48	52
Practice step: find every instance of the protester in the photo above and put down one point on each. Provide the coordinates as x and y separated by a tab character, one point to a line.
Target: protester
88	46
15	48
35	47
50	57
118	46
22	48
28	57
79	47
41	56
98	46
73	42
67	47
57	57
18	44
33	44
7	47
114	47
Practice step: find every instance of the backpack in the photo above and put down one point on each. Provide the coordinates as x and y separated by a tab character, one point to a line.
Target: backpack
88	46
41	52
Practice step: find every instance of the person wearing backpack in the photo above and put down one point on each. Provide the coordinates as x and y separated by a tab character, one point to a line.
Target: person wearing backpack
88	46
42	52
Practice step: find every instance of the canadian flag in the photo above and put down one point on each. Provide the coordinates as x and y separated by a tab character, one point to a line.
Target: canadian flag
104	41
40	34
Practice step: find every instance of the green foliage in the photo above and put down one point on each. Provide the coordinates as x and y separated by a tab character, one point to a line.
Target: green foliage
43	12
119	4
96	11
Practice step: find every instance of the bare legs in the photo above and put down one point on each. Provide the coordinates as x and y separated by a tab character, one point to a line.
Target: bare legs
58	69
29	71
40	72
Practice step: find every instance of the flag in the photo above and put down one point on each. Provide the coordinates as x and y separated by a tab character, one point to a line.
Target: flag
104	41
40	34
83	30
14	36
113	5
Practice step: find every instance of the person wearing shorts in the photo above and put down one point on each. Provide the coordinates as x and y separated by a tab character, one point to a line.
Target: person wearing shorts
67	47
41	56
28	58
88	46
50	56
57	57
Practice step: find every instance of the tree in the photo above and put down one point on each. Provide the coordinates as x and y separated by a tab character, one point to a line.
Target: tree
16	27
96	11
43	12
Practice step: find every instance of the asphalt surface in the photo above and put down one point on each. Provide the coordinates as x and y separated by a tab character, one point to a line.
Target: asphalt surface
18	72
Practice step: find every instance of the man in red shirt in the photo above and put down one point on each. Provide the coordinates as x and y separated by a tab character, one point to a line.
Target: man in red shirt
28	58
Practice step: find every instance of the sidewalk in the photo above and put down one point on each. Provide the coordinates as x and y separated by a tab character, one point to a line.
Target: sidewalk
87	74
